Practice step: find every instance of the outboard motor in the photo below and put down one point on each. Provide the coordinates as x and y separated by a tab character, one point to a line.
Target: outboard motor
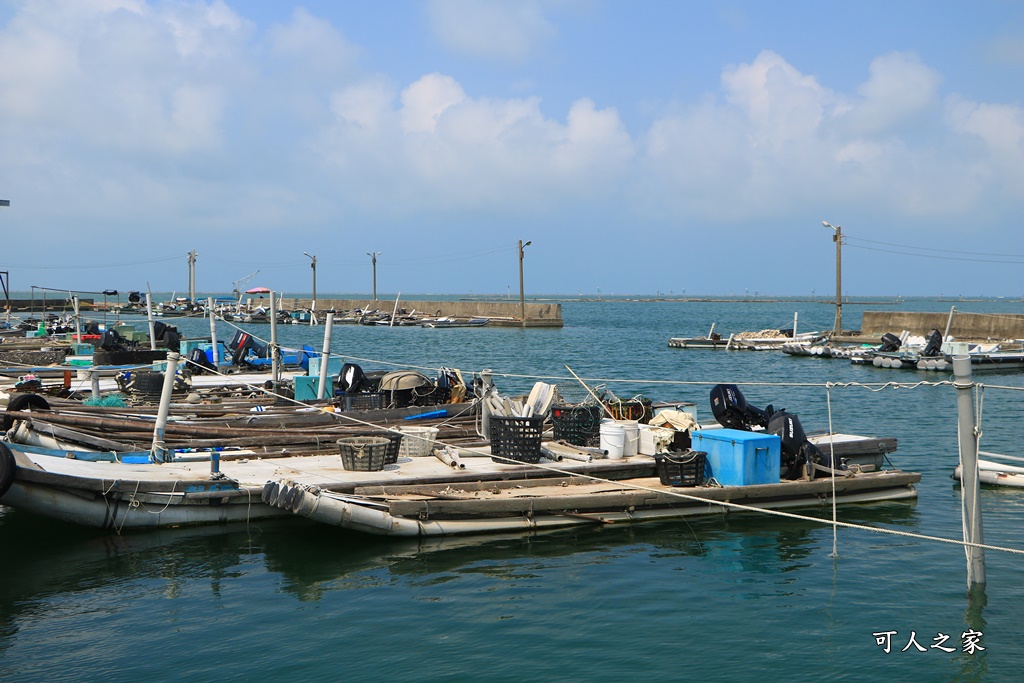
350	379
111	341
239	344
796	449
890	343
934	346
198	363
731	409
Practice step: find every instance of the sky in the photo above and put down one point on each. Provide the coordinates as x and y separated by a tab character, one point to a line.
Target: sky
641	147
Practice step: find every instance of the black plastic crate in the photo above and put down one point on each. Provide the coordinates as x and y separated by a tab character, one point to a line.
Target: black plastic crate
363	453
579	425
516	438
681	469
364	401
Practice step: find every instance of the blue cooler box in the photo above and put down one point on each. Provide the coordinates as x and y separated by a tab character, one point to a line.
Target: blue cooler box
739	458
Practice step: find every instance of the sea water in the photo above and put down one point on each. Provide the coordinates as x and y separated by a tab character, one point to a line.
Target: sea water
731	598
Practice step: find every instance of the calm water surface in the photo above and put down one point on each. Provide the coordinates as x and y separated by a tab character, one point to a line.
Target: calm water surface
734	598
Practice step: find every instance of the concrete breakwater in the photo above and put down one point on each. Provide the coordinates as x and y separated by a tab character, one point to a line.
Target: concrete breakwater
501	313
964	326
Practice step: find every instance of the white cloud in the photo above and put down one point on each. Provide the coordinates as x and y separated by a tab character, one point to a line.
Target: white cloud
1000	128
492	29
426	100
899	91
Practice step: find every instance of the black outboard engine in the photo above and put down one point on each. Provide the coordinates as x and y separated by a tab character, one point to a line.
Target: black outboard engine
239	344
111	341
934	346
890	343
350	379
796	449
731	409
198	363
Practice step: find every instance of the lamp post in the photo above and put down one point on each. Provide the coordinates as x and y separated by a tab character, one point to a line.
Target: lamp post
313	266
522	296
838	239
373	256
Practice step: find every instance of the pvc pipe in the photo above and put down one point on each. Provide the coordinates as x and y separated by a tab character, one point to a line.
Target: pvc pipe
78	319
159	452
275	367
213	330
152	325
321	389
94	377
969	489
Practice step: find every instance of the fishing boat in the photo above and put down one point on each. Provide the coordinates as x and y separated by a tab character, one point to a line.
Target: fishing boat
452	321
996	473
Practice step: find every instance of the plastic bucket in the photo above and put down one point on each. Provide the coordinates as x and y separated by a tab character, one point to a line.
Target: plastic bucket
631	445
613	439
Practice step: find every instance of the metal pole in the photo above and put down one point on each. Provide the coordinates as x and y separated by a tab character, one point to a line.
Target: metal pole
213	330
373	257
522	296
159	451
838	237
321	388
152	325
949	322
969	486
312	308
275	367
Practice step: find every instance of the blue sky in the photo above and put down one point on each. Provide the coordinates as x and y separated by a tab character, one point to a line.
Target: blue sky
643	146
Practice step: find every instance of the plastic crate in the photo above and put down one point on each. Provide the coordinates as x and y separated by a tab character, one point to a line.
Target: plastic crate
364	453
364	401
516	438
681	469
418	441
579	425
640	409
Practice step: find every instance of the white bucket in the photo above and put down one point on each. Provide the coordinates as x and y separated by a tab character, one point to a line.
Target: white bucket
631	445
613	439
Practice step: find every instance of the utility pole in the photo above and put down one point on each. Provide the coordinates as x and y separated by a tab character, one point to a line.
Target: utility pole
522	296
838	239
373	256
313	266
192	275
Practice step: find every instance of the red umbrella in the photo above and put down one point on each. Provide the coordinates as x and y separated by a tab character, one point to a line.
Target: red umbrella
258	290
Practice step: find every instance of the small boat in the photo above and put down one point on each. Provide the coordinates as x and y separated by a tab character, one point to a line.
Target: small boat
995	474
451	321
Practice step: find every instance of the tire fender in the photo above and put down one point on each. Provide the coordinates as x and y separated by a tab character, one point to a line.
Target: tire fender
23	402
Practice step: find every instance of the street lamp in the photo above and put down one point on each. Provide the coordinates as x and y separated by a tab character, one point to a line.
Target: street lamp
373	256
313	266
838	239
522	297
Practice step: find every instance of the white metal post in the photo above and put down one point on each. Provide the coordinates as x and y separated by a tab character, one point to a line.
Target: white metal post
969	486
213	330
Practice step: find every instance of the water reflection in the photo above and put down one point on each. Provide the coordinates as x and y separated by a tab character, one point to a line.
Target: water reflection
310	560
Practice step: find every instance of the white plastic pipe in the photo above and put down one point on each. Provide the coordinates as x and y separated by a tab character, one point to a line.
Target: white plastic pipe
159	451
213	329
275	367
321	389
152	325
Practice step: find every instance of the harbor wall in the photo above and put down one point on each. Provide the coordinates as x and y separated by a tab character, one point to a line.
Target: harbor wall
501	313
965	326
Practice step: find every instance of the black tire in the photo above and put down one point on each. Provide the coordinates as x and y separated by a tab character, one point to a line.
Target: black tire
7	468
23	402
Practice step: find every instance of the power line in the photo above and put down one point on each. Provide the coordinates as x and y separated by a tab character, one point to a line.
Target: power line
945	251
943	258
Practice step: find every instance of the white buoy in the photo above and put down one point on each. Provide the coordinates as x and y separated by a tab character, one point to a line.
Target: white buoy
877	361
886	362
922	364
896	363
